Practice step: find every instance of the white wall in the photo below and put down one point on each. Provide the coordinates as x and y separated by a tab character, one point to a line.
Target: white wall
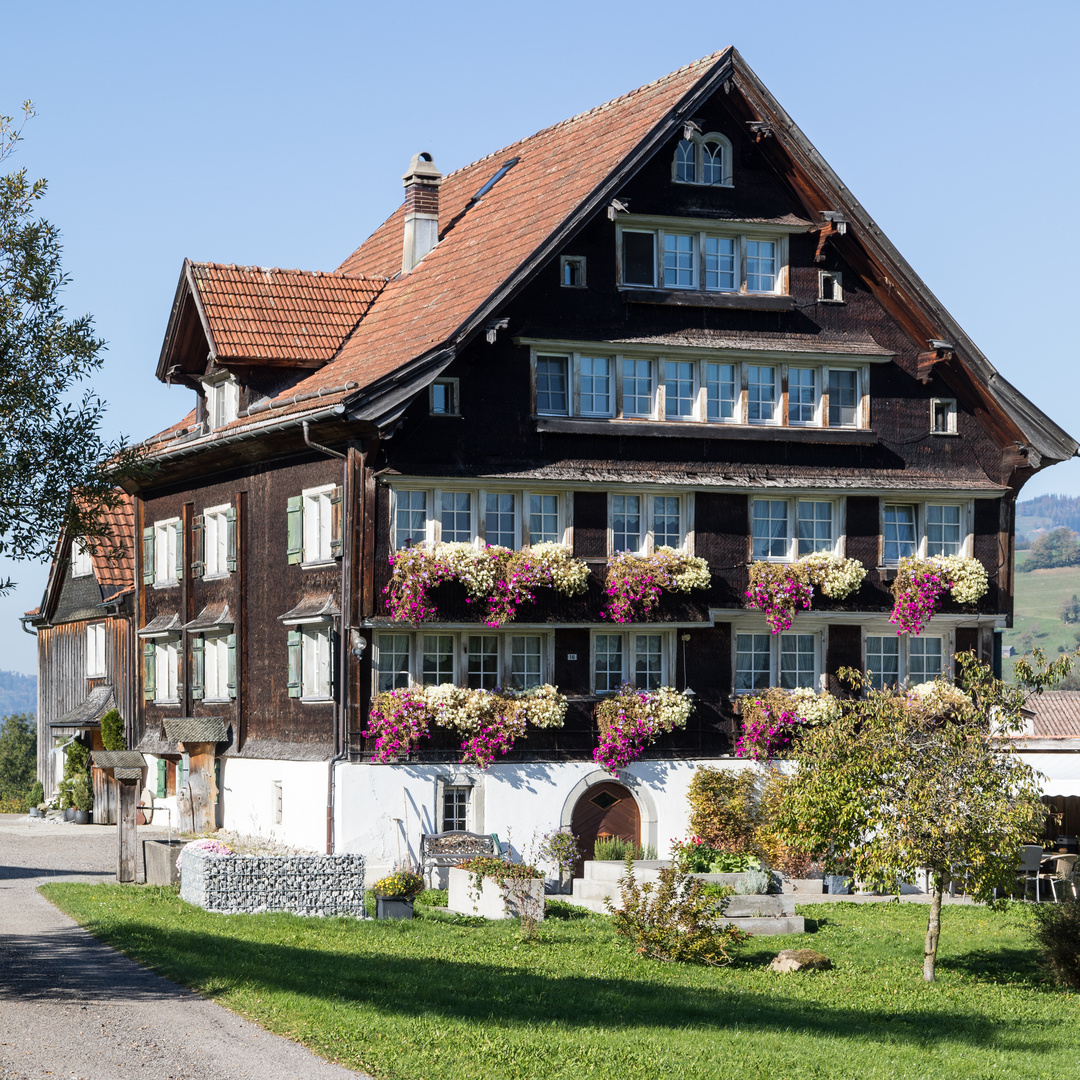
1061	771
247	798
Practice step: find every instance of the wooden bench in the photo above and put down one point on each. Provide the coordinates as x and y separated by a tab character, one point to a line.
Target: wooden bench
447	849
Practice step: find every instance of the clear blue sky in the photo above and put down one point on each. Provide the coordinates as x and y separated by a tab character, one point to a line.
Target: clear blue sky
277	133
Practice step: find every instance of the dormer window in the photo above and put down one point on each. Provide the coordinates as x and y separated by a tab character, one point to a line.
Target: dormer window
222	401
703	159
81	564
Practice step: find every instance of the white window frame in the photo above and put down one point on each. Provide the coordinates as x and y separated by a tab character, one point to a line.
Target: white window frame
216	541
759	628
222	401
699	141
216	667
629	651
96	666
949	406
453	397
791	540
967	522
316	662
647	545
167	671
572	265
166	540
82	564
947	635
837	279
318	517
860	396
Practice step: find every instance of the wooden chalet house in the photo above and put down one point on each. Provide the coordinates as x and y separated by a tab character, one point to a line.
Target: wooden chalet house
662	323
84	631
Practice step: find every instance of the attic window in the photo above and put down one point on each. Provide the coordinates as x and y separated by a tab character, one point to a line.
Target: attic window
572	271
703	159
507	166
943	416
443	400
222	401
81	566
830	287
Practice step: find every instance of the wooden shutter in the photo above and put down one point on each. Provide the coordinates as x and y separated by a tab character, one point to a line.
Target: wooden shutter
198	546
162	779
198	667
230	538
336	503
332	664
148	555
295	646
179	527
230	644
296	529
149	651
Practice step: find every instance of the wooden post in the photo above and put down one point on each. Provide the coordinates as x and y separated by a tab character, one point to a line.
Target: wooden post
201	756
127	846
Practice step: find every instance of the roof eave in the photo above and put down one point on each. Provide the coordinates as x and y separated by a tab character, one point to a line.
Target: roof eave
186	286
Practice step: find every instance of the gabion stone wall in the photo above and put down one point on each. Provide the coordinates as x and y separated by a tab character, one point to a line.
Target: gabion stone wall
301	884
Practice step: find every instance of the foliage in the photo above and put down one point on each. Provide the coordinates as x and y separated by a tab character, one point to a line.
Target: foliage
694	856
1058	547
1057	935
18	755
616	849
631	719
781	589
724	807
559	848
672	919
502	871
920	583
902	781
499	578
112	731
14	804
635	583
1070	609
772	719
36	795
403	882
82	792
52	444
489	720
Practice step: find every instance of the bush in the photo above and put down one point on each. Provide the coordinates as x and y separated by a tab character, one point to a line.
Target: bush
112	731
694	856
673	919
36	794
18	754
82	793
724	807
1057	934
616	849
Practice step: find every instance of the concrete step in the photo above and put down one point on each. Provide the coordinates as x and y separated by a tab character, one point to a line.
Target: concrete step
593	891
794	924
739	907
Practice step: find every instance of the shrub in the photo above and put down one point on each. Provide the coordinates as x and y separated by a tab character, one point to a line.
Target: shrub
1057	934
82	793
483	866
724	807
616	849
559	849
18	754
694	856
36	795
675	918
112	731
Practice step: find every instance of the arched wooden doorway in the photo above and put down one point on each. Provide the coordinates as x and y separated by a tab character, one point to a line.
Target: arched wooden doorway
606	809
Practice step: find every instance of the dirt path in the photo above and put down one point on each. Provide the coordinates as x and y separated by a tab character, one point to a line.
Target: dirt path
72	1007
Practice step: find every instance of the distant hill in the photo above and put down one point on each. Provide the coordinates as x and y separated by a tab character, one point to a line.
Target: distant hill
18	693
1047	512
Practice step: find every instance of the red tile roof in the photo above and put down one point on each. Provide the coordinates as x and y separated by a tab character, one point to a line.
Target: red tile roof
112	553
257	314
1057	714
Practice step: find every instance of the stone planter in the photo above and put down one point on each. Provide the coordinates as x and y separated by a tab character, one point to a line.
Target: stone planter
159	861
393	907
805	886
82	817
35	812
493	901
837	884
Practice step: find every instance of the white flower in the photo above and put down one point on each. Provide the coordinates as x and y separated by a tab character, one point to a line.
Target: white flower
836	577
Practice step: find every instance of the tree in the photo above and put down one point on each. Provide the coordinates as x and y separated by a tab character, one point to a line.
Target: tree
1055	548
18	755
1070	610
56	471
906	781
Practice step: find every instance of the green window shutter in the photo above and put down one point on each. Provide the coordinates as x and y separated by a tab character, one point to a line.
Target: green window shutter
230	643
162	778
198	666
217	781
179	527
295	645
148	555
334	638
230	538
336	531
149	652
296	529
198	546
180	774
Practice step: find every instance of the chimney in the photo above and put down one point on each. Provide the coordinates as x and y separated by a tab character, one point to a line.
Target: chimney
421	184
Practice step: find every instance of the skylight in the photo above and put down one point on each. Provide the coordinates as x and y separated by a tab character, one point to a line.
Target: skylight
495	179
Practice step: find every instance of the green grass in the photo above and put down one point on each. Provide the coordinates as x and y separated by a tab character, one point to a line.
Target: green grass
1037	610
450	998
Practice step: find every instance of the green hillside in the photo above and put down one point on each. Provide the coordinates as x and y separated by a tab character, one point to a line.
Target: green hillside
18	693
1037	619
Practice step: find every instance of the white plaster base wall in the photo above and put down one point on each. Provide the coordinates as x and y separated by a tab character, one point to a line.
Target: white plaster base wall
248	800
381	810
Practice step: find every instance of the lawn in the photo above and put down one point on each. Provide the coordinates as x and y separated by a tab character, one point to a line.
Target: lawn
1038	611
442	998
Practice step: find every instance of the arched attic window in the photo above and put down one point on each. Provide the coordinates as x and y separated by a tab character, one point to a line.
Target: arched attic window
703	159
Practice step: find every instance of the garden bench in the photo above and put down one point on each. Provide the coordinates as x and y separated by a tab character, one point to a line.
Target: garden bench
447	849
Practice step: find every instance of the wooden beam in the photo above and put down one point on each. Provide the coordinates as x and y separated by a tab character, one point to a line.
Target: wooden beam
126	835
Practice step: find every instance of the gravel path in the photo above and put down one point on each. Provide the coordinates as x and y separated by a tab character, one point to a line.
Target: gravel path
72	1007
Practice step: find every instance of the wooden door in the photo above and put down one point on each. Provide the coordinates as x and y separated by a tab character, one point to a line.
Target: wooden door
606	809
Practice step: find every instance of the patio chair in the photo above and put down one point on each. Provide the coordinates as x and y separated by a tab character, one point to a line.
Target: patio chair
1028	870
1062	872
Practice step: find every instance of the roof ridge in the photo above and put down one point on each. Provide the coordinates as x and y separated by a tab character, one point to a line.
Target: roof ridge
590	112
254	268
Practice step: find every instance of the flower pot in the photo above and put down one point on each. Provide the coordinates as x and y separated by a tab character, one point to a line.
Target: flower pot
837	884
35	812
82	817
69	813
393	907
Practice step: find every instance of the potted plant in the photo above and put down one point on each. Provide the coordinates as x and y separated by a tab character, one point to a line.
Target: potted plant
395	893
495	889
35	797
82	795
67	806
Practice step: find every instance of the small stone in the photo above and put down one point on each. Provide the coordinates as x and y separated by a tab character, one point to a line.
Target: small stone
800	960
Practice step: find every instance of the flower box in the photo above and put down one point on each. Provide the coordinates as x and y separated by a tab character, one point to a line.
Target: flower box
492	900
393	907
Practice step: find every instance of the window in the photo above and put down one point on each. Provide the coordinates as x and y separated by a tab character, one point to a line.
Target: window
526	661
830	287
317	525
443	398
410	518
899	533
437	659
276	801
943	416
81	563
721	395
680	389
802	395
896	660
684	256
667	521
944	535
572	271
393	665
925	530
552	385
638	388
761	393
483	661
544	519
595	386
219	664
218	527
703	159
482	651
455	517
166	683
167	552
500	528
843	398
627	529
310	663
640	659
222	402
642	523
773	536
455	809
786	660
95	650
